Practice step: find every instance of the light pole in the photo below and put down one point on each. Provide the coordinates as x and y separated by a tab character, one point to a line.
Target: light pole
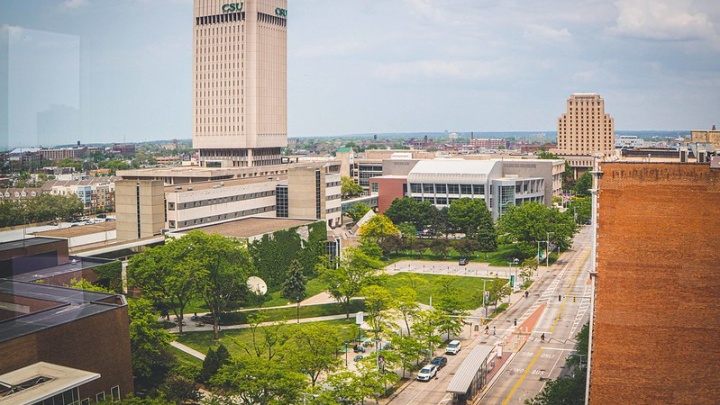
485	297
346	356
547	249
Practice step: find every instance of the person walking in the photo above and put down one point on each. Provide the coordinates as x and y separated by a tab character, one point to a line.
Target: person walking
494	331
542	337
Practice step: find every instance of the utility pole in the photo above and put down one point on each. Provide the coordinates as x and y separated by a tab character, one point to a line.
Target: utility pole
547	249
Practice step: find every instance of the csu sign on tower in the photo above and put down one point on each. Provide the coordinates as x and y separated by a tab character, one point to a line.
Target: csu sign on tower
230	7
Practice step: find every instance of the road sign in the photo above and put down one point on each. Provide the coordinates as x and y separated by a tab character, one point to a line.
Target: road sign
512	281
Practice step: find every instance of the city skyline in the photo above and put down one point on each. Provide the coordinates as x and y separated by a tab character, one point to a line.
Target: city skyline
396	66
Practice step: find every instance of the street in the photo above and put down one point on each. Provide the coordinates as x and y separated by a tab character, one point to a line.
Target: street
557	306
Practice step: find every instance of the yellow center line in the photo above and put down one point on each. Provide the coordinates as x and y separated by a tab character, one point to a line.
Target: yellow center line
577	273
522	377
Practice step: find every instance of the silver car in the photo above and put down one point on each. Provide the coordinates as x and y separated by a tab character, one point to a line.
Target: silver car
427	372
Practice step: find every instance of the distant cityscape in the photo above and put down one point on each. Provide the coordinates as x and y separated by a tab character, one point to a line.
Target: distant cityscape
455	265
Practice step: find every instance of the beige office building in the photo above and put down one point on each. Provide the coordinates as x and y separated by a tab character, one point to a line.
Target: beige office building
240	82
585	129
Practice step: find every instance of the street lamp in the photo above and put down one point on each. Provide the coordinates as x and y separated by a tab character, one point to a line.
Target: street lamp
346	350
547	249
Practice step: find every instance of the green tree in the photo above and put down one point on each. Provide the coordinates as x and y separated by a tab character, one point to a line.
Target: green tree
166	276
426	328
408	350
354	271
223	266
179	389
214	359
417	213
529	223
377	302
406	303
465	215
149	344
256	380
357	211
449	304
583	185
268	341
466	246
440	247
294	286
349	188
581	208
315	349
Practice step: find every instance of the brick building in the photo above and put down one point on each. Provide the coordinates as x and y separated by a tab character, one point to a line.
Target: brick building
657	300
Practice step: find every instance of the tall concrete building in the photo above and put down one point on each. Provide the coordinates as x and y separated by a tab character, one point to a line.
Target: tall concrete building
240	82
584	130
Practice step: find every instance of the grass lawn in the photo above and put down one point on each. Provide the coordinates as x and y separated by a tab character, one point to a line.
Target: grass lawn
185	359
236	339
469	289
497	258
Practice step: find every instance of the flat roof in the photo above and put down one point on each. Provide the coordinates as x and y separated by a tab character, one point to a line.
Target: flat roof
27	242
469	368
76	264
80	230
40	381
181	188
62	305
249	227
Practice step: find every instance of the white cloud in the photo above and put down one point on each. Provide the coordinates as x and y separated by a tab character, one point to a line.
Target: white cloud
71	4
664	20
544	33
441	69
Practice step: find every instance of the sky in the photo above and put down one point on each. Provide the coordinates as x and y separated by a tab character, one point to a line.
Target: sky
114	71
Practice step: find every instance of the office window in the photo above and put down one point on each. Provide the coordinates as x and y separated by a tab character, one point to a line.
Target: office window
428	188
115	392
441	188
453	189
100	396
466	189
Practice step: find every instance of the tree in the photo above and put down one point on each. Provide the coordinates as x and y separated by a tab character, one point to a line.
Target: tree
356	270
466	246
408	350
378	228
391	243
266	342
166	276
583	185
406	303
223	266
531	222
259	381
294	286
426	328
449	303
357	211
214	359
440	247
497	290
466	214
179	389
417	213
377	301
581	209
349	188
149	344
315	349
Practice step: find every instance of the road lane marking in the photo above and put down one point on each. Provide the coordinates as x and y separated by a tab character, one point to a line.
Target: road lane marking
522	377
572	283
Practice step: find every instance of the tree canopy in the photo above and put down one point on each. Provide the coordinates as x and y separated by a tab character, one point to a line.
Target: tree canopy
417	213
531	222
349	188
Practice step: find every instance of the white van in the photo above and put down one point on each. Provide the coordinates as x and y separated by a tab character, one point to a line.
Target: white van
453	347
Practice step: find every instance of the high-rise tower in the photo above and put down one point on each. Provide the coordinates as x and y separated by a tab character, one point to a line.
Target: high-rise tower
240	82
585	129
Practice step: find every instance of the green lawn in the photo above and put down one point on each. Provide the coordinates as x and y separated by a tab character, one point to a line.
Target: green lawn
235	339
184	358
497	258
469	289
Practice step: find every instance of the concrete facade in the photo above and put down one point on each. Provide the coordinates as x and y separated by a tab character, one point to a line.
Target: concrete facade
239	82
711	136
314	191
657	299
585	129
140	209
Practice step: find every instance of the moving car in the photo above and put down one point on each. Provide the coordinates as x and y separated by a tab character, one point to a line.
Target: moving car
427	372
463	261
453	347
439	361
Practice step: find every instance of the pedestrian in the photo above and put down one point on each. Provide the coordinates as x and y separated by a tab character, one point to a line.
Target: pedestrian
487	330
494	331
542	337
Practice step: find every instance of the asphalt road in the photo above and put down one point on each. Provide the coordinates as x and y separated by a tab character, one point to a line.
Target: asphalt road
564	304
528	362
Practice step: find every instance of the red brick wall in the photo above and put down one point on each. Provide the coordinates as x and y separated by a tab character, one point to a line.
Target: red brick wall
99	343
657	314
388	190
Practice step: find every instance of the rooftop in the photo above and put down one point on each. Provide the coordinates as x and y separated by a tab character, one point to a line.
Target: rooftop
249	227
40	381
27	308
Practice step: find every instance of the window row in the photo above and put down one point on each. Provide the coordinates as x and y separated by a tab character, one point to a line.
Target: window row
215	218
465	189
221	200
219	18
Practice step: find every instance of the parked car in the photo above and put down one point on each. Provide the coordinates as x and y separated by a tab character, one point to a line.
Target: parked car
358	357
427	373
453	347
463	261
439	361
358	349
